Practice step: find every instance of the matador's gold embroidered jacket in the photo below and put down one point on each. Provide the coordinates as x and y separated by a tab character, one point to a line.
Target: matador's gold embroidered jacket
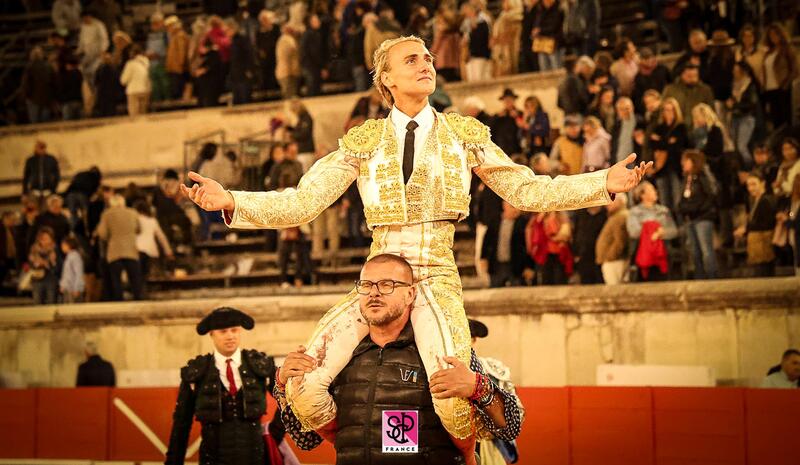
438	189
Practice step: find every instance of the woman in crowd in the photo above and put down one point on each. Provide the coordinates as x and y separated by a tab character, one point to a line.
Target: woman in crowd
549	246
668	140
655	220
780	69
708	135
788	169
698	210
745	108
603	108
536	127
789	219
446	45
760	227
43	260
596	147
750	52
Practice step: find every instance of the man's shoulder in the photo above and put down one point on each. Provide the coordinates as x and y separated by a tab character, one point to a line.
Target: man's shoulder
362	140
196	367
468	129
262	364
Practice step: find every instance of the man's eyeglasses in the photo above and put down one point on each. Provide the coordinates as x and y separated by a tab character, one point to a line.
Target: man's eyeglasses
385	286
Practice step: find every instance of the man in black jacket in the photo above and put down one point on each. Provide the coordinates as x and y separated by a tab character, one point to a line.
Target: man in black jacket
226	392
385	396
41	174
95	371
504	248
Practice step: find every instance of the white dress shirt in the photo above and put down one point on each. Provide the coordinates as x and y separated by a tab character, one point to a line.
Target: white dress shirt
424	118
221	363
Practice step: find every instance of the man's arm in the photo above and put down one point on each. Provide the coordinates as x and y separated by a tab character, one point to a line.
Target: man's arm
181	425
304	440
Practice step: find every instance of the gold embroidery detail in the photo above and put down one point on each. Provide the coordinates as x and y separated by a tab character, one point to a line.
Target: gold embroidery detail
362	140
472	133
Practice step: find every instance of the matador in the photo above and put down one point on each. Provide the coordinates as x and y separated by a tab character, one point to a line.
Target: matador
413	170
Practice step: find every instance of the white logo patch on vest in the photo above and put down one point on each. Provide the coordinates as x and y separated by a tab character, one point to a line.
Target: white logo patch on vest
400	431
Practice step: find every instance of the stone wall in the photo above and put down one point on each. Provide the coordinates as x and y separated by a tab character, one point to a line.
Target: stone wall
550	336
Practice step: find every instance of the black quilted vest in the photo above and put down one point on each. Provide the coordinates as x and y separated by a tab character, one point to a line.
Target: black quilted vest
388	378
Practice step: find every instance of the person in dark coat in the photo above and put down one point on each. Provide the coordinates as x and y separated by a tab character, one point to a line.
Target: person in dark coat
505	125
42	174
38	84
226	392
504	248
370	381
573	91
697	207
588	224
95	371
266	39
242	65
53	218
651	75
107	87
80	190
312	56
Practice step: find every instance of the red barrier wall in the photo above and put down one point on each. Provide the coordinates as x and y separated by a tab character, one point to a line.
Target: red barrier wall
563	426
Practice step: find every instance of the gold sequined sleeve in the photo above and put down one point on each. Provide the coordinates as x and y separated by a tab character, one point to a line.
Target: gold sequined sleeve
519	186
324	182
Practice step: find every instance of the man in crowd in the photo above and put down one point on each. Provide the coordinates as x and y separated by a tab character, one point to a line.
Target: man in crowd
95	371
226	392
386	296
689	91
41	175
785	375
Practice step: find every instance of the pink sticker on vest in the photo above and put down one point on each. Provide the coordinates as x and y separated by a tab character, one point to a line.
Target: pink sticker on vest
400	431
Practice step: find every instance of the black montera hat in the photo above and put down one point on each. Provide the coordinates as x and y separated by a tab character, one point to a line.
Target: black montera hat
477	329
224	317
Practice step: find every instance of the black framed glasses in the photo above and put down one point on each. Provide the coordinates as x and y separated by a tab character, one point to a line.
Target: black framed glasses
385	286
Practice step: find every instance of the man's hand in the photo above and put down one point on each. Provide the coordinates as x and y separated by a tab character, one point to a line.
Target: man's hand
458	381
297	363
621	179
208	194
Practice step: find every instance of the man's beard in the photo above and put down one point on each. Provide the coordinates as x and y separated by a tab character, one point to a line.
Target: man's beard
383	320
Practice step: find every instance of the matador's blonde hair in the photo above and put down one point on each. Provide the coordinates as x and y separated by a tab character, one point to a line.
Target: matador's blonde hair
381	62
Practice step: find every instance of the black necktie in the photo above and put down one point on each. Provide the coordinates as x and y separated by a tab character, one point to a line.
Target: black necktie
408	151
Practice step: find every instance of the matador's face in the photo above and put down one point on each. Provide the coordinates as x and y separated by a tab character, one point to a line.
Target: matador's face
411	70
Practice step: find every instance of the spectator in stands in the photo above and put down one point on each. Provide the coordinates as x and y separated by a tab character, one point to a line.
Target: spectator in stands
108	12
708	134
751	53
92	42
622	140
326	227
789	220
588	224
419	24
596	146
170	214
788	375
136	79
83	185
540	163
8	244
649	225
287	63
209	74
43	261
302	133
289	170
720	67
651	75
266	41
573	91
780	69
156	52
550	247
276	155
582	25
95	371
119	226
385	27
696	55
626	66
668	141
38	86
150	238
697	207
603	108
689	91
41	175
476	35
505	38
242	66
745	108
547	36
760	227
177	57
446	45
52	218
505	125
66	15
488	207
69	93
294	241
764	163
439	99
473	106
312	56
789	168
536	130
122	43
504	248
568	147
107	87
612	242
71	285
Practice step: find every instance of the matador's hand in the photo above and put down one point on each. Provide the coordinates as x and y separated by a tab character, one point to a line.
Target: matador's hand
208	194
621	179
